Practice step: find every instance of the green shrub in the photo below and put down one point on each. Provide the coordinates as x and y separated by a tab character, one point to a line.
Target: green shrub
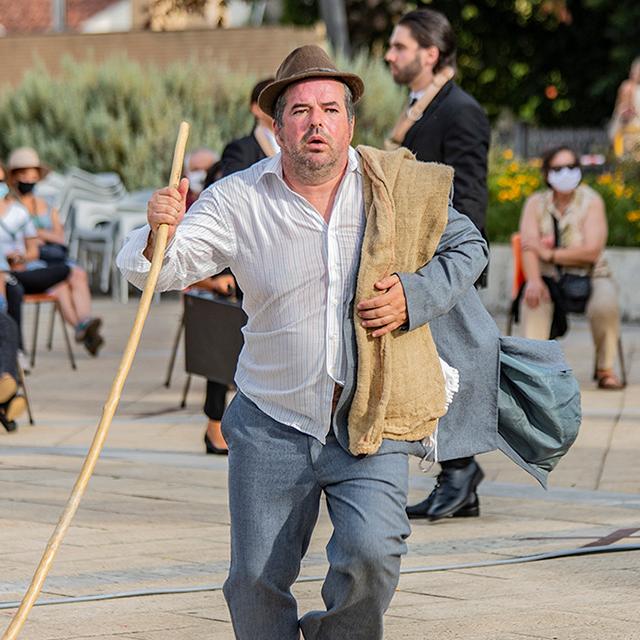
123	117
120	116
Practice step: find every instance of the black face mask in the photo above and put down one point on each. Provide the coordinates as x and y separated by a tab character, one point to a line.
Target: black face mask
25	187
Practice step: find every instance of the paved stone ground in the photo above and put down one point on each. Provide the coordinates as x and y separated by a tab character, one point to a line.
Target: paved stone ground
155	515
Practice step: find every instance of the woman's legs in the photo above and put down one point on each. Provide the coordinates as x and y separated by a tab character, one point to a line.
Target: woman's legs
40	280
62	293
79	285
71	289
11	405
604	316
536	323
74	297
214	405
15	292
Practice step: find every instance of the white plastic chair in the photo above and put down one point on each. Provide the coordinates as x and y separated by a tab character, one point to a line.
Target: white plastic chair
94	232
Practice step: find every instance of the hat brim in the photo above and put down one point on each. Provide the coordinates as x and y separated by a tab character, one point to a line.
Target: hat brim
42	168
269	95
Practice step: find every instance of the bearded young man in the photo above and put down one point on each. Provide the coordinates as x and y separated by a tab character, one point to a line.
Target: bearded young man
454	130
344	256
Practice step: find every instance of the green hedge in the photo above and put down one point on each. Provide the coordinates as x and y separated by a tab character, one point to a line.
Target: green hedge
120	116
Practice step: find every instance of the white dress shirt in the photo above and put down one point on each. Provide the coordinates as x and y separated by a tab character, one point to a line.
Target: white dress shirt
297	274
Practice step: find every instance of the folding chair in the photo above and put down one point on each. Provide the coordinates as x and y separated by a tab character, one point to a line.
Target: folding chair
22	383
38	299
518	280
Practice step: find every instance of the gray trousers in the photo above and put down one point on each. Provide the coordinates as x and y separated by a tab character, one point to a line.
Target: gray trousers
276	478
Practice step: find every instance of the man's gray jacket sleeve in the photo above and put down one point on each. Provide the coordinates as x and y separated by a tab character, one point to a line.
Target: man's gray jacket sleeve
434	289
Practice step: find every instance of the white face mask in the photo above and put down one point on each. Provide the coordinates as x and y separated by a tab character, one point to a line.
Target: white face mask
196	180
564	180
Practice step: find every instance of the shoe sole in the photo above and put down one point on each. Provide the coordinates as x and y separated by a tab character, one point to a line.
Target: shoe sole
467	512
8	388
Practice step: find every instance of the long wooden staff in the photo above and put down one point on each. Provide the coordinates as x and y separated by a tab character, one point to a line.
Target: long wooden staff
108	410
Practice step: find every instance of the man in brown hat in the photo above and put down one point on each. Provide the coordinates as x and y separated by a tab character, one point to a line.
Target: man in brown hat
293	229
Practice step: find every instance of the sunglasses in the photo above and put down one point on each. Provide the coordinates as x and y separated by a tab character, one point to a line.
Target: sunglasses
564	166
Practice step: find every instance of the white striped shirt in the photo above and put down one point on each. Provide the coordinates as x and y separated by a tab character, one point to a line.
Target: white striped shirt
297	273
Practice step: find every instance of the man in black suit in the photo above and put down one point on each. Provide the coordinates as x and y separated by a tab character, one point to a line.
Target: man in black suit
454	130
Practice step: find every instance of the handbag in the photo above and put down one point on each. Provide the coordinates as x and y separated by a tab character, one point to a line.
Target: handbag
574	289
53	252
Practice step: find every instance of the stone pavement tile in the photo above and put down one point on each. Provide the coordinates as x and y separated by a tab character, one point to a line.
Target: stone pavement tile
170	617
106	619
546	601
512	509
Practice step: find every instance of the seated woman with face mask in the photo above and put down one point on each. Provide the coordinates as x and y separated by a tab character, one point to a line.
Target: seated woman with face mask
73	294
564	233
19	247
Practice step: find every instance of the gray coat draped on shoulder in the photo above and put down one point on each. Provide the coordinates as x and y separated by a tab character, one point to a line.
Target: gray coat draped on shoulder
442	294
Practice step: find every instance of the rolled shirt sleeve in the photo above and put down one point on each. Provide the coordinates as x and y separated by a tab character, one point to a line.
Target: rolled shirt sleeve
204	244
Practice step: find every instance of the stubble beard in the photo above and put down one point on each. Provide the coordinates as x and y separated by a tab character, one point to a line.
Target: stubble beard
408	73
313	168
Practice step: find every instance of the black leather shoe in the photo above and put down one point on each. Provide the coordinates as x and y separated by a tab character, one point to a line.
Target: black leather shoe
455	489
211	448
421	510
9	425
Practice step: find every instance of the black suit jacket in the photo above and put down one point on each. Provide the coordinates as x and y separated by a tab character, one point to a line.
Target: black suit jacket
455	130
240	154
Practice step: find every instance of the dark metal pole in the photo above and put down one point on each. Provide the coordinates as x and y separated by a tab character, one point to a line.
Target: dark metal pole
334	14
59	16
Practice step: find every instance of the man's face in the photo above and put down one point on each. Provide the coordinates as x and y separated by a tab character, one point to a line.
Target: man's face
316	131
407	60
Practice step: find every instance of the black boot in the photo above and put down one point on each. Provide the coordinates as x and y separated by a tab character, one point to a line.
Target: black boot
421	510
455	489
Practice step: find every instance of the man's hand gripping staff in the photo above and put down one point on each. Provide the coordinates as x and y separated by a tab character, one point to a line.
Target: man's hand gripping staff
167	206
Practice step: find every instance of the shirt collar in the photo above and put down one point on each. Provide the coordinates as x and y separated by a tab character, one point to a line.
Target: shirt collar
416	95
273	165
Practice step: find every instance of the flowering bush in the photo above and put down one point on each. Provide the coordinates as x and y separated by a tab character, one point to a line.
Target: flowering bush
511	182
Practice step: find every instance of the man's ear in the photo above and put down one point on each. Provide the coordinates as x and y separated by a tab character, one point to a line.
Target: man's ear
353	128
430	56
276	132
255	110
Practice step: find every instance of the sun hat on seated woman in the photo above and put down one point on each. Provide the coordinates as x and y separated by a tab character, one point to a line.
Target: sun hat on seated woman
26	158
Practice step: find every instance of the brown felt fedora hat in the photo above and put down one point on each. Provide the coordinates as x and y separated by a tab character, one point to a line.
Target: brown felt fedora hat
309	61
